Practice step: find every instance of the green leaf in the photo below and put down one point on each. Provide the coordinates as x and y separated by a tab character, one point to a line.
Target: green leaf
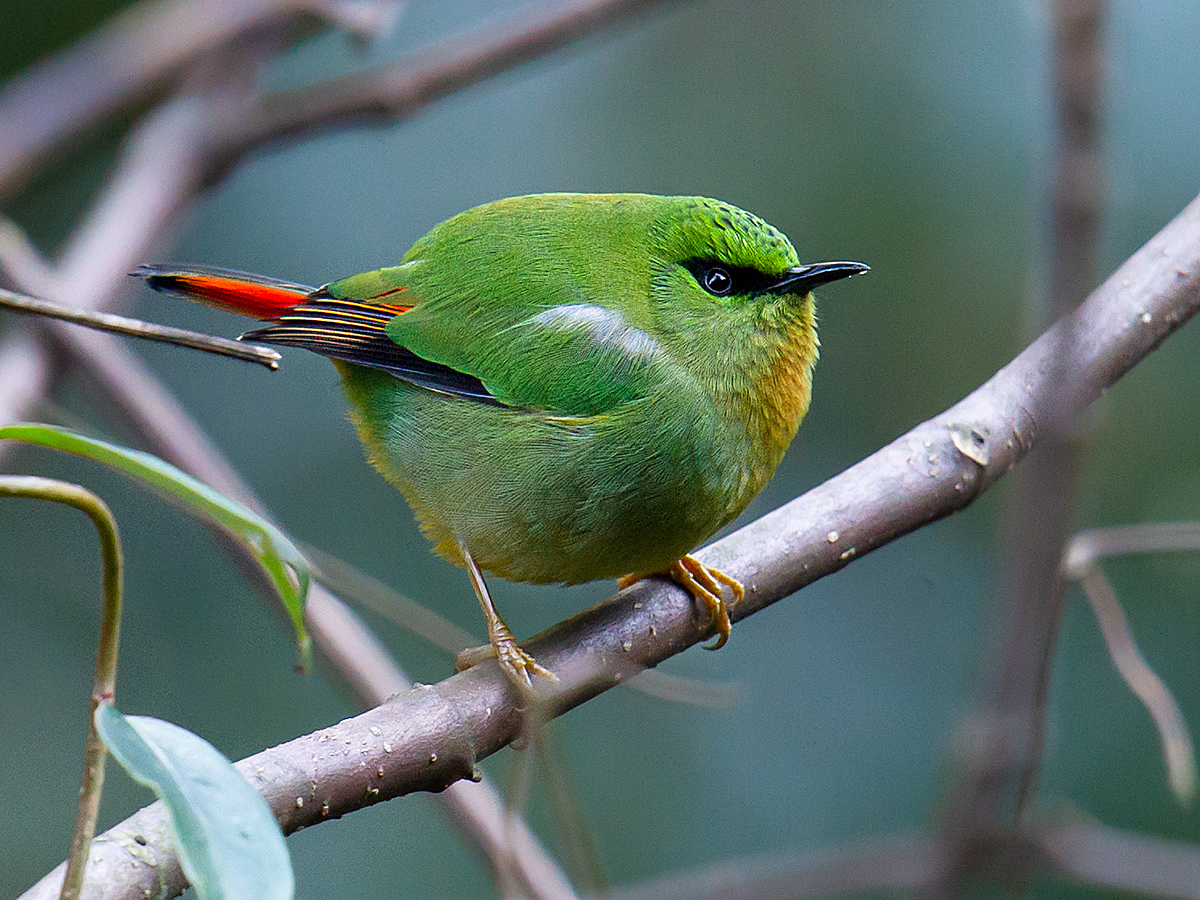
284	564
229	844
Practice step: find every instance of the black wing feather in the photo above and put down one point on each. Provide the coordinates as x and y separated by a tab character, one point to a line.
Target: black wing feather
354	331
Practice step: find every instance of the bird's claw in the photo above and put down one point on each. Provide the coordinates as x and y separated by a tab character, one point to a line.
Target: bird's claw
704	583
519	665
516	664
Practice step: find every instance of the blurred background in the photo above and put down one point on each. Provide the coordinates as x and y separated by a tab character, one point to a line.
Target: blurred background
915	137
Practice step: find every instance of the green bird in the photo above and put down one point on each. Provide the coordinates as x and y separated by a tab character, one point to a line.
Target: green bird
565	387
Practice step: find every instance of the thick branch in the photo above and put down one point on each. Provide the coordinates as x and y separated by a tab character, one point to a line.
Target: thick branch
429	737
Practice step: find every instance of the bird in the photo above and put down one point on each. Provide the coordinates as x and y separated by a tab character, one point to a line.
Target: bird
564	387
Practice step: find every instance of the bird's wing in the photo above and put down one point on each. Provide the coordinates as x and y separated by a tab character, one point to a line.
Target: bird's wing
354	330
571	359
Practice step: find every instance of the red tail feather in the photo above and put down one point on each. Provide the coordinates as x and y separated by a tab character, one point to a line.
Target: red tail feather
240	292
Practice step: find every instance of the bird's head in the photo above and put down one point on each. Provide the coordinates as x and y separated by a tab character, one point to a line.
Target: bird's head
711	257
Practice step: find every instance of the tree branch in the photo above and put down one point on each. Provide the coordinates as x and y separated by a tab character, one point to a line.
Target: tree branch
1124	860
389	94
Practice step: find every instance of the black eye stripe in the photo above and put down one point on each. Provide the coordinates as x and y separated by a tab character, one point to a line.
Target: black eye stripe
722	280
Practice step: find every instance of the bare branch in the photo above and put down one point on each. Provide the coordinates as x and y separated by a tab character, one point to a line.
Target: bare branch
1142	680
25	365
1090	854
1081	563
359	588
391	93
681	689
150	331
1125	861
1149	537
1035	592
135	54
432	736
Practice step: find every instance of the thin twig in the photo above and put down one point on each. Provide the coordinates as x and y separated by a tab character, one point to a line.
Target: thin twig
1106	857
1081	563
357	587
576	839
434	735
682	689
1144	682
1070	854
137	328
104	684
1148	537
883	864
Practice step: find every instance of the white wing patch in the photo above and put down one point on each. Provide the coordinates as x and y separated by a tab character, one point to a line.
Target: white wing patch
606	328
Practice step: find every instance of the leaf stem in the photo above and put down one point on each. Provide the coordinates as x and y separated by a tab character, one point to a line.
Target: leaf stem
105	682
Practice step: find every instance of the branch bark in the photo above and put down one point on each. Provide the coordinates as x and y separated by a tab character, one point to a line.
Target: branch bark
432	736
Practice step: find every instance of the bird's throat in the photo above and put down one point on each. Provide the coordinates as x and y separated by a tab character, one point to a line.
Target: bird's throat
772	395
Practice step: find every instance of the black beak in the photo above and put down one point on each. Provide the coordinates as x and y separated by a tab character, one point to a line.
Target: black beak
802	279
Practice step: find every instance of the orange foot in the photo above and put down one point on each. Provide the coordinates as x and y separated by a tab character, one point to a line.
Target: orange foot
704	584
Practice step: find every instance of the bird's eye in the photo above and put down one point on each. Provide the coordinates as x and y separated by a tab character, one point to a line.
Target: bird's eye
717	280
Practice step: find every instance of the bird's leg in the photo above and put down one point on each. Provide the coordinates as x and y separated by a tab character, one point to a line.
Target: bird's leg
515	663
704	584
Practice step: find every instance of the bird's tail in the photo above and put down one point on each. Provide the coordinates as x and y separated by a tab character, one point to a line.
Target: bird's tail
251	295
343	328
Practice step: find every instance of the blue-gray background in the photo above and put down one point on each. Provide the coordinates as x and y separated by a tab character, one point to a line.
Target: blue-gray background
911	136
